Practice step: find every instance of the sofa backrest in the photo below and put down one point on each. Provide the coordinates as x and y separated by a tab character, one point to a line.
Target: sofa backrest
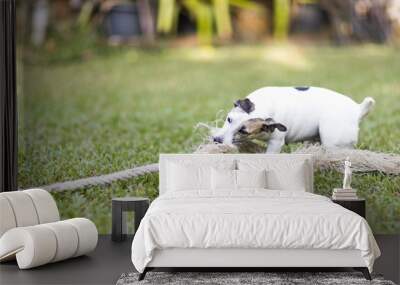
26	208
270	160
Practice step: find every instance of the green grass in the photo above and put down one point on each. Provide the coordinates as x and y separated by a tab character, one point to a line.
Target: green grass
116	110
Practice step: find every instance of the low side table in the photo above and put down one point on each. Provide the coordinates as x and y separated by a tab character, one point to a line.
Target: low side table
356	205
121	205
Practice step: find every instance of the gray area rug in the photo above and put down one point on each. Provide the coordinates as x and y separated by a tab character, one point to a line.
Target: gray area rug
269	278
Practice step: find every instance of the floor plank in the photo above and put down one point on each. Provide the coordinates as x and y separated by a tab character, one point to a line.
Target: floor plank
111	259
102	266
389	262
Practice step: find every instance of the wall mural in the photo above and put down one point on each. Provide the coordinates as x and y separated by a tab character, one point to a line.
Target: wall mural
107	86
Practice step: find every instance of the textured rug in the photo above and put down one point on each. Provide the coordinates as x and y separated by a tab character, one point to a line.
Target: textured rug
243	278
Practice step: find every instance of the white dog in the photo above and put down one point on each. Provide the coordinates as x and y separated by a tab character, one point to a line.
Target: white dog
296	114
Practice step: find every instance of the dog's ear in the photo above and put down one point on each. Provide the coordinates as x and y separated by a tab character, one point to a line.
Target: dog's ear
270	126
245	104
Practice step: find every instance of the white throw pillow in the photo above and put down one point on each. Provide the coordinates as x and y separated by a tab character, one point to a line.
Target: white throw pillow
185	175
181	177
291	175
225	179
251	179
293	180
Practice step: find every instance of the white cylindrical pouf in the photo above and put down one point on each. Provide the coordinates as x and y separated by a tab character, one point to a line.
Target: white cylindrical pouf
33	246
67	240
37	245
45	205
23	208
87	234
7	218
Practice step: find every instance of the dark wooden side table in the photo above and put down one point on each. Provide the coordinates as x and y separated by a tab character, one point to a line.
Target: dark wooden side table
125	204
357	205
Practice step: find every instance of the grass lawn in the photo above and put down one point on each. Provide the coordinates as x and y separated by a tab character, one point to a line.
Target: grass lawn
122	108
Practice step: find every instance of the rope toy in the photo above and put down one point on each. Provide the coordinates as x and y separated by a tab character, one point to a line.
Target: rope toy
252	142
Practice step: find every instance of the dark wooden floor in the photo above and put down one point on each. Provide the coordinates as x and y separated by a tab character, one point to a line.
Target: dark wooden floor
110	260
102	266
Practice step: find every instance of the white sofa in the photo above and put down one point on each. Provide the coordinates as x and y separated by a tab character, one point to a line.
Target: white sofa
31	231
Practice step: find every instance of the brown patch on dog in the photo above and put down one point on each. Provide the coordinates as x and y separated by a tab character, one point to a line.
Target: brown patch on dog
253	126
258	125
255	133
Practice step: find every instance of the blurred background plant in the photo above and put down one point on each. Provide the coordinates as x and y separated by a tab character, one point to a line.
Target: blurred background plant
281	18
206	14
212	21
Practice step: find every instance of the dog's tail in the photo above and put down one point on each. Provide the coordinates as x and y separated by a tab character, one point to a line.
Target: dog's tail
365	107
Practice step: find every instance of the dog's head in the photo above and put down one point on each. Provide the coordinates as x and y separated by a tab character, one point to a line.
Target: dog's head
257	127
234	120
240	120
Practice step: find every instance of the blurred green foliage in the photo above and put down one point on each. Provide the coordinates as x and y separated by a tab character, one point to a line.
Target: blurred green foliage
281	18
83	116
206	14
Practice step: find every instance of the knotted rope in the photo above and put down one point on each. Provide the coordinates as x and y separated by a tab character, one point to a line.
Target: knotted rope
362	161
102	179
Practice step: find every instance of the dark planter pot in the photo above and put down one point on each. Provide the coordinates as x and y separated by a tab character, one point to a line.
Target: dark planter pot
122	22
309	19
186	26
